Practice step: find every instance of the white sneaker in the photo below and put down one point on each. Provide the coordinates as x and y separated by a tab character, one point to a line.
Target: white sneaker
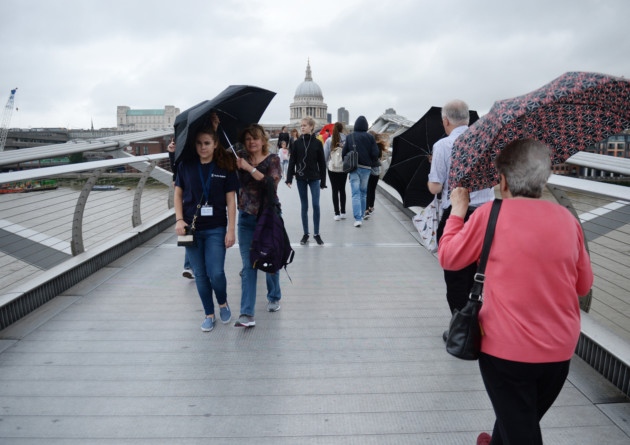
343	216
337	217
357	223
188	273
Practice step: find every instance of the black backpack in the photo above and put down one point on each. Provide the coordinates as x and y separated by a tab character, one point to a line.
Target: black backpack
271	249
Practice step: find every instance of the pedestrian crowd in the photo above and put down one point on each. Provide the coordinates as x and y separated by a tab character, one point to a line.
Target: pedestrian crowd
530	318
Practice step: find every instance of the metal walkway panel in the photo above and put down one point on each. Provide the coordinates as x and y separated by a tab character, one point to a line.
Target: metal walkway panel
355	355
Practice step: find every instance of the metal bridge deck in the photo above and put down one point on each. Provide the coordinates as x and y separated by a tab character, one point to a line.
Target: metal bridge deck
355	355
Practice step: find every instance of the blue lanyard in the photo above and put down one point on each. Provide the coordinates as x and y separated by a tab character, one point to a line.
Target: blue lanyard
205	183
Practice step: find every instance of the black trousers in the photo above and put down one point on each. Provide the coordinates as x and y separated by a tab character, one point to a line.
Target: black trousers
338	186
458	282
521	394
371	191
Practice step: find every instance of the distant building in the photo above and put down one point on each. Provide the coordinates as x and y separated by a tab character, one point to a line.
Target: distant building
140	120
343	116
308	101
617	145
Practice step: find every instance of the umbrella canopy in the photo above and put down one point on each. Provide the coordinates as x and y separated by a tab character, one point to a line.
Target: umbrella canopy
409	170
237	107
569	114
328	127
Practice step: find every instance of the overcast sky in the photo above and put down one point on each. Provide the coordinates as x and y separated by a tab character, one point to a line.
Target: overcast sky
75	61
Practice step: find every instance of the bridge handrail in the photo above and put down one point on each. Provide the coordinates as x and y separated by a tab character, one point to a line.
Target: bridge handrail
78	146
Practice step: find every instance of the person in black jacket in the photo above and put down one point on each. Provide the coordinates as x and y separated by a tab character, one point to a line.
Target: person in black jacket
308	165
364	143
283	136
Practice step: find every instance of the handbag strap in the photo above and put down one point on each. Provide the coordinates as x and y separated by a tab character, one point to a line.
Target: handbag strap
480	276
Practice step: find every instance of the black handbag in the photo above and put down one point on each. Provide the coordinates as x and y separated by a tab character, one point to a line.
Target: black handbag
464	331
351	159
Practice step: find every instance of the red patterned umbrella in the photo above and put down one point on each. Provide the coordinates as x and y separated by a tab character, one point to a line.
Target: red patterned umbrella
568	114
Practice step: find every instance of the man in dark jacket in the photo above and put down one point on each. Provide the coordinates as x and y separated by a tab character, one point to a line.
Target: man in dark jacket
365	144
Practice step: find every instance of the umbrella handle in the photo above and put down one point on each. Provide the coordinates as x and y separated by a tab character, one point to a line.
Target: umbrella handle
229	142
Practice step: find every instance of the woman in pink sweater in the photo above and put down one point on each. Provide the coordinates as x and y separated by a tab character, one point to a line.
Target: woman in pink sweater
537	268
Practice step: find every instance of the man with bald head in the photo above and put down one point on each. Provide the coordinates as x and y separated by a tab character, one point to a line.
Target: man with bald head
455	119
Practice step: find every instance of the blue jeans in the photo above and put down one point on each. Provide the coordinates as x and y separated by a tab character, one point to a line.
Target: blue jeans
285	166
207	259
359	185
249	275
186	262
303	191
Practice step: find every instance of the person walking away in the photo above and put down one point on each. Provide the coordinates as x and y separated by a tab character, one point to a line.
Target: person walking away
365	144
170	148
205	197
383	146
537	267
455	118
283	136
294	135
337	176
308	165
283	152
255	165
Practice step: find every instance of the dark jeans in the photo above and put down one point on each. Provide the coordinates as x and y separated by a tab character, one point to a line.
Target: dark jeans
458	282
303	187
521	394
371	193
338	185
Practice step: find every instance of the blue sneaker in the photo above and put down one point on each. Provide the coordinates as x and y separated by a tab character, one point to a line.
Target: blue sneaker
207	325
225	314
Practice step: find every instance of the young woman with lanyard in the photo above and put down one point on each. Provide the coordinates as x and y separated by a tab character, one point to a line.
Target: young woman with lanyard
205	198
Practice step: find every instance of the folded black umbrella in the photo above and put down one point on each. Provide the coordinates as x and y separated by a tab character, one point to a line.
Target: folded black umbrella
409	169
237	107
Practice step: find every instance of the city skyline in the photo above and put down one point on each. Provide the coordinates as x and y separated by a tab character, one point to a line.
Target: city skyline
75	69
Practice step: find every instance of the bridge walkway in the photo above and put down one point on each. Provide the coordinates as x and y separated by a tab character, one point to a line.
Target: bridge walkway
355	355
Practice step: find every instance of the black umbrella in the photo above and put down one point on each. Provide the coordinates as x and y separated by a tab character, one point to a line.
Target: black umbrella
409	169
237	107
406	177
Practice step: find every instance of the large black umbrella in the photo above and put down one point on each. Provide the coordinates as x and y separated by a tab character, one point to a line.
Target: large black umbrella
237	106
409	168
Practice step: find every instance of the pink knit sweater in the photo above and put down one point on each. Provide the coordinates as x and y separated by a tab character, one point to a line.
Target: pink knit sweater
537	267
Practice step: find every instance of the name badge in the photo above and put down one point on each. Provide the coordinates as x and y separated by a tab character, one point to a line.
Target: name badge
206	211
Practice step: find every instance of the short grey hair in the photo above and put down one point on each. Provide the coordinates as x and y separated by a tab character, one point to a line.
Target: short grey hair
526	165
457	112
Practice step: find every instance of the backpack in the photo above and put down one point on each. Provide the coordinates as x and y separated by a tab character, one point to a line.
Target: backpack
335	162
271	249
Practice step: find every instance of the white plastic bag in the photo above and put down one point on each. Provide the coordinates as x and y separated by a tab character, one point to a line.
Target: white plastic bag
426	223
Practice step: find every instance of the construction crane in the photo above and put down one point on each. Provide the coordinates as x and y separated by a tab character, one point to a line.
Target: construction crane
6	119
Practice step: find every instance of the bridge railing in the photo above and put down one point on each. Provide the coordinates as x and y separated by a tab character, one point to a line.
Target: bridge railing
52	239
60	224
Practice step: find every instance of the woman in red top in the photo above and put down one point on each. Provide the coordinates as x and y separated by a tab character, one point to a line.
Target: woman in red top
537	267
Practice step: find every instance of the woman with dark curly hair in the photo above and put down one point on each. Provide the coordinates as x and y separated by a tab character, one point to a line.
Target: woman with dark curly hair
205	197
